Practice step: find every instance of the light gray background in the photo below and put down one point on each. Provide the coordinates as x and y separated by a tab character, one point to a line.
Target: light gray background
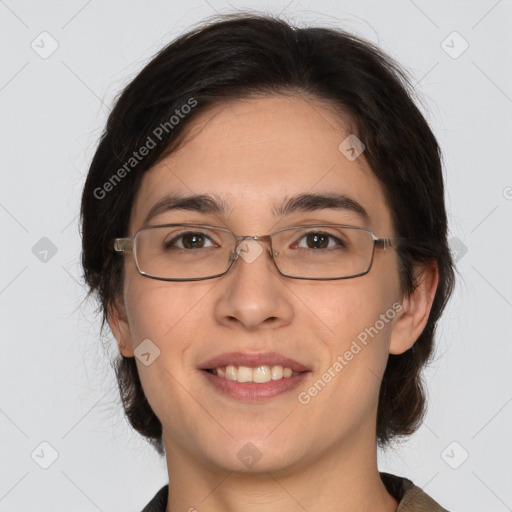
56	382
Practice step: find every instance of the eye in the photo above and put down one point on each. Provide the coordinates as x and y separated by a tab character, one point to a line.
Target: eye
319	240
189	240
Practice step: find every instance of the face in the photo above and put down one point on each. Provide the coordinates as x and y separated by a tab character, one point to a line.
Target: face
252	155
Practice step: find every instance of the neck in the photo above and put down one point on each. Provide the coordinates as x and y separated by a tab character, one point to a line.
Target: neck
343	480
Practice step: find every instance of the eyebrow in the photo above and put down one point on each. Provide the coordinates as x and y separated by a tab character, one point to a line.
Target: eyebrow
212	204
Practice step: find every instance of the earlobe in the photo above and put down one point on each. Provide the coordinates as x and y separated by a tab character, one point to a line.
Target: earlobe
413	317
118	322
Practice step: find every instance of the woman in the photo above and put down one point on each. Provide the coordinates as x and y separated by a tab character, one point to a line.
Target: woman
267	369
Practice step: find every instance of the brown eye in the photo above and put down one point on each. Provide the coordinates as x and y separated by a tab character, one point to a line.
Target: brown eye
189	240
317	240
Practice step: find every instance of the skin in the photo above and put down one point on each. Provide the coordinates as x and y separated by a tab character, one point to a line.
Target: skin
319	456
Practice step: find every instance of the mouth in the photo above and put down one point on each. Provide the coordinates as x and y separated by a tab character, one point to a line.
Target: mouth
253	377
259	375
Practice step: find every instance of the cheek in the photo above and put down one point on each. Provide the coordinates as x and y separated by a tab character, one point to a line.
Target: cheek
159	310
357	318
168	315
345	308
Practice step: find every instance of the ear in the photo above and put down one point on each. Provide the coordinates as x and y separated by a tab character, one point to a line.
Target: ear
118	322
413	316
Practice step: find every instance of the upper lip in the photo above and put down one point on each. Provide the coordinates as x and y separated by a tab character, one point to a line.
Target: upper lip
253	361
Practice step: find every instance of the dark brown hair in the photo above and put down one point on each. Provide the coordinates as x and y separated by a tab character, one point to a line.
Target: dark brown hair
237	56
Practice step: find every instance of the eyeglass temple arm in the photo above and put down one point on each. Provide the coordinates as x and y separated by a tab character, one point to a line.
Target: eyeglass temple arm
391	241
123	244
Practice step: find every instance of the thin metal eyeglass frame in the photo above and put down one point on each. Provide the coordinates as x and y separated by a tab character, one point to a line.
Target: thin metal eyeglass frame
125	245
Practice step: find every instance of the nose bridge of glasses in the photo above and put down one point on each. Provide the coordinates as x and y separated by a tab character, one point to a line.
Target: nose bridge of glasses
241	239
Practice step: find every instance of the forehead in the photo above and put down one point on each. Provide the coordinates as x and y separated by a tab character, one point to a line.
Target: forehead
253	153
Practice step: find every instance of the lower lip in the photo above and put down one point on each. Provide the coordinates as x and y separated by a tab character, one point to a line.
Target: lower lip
252	391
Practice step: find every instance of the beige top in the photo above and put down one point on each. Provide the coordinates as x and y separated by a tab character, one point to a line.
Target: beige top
410	498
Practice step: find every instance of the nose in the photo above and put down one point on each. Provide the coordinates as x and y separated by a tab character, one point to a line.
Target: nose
252	294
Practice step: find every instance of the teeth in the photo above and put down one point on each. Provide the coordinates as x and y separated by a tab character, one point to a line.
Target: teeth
244	374
261	374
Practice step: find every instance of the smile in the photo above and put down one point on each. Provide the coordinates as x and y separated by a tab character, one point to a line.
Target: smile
260	374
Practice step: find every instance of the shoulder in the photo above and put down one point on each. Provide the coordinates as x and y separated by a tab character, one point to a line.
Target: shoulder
410	497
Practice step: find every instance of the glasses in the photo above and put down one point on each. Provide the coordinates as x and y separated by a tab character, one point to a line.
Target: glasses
192	252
